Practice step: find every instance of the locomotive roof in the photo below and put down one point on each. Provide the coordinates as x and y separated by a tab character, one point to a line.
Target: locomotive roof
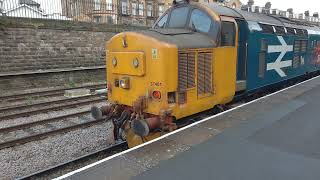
263	18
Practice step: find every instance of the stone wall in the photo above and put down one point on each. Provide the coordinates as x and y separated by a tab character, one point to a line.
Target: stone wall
35	45
26	49
32	45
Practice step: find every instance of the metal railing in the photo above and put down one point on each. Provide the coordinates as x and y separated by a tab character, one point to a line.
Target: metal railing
99	11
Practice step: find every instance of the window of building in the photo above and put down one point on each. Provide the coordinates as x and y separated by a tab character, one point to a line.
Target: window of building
97	19
109	20
160	9
178	17
97	5
109	5
141	9
134	9
162	22
228	32
75	11
124	7
149	10
200	21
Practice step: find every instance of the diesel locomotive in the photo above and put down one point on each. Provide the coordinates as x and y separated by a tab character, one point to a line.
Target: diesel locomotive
198	56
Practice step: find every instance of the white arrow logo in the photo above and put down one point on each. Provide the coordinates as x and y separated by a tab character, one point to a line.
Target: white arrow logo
278	64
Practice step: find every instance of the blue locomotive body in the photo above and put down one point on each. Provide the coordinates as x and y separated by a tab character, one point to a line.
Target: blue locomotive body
272	49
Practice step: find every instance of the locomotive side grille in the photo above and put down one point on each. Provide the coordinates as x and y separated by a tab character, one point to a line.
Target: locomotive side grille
204	73
186	71
182	97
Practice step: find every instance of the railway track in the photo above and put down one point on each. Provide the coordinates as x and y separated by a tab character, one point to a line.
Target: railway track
84	160
46	93
47	133
68	166
27	110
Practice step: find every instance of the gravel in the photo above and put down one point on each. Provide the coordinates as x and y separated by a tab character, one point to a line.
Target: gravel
34	156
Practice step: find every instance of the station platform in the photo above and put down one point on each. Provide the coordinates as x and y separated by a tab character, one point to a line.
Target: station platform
274	137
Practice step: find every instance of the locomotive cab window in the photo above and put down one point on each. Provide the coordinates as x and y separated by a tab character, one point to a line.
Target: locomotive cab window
163	21
200	21
178	17
228	34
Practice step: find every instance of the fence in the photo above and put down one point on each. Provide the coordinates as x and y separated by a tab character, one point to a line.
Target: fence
99	11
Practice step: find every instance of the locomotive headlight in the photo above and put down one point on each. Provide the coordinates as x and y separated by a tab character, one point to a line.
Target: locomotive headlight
135	62
114	62
125	83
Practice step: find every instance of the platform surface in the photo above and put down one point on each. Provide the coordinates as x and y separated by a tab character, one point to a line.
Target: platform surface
277	137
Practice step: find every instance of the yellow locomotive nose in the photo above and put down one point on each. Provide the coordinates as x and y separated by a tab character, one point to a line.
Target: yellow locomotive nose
135	66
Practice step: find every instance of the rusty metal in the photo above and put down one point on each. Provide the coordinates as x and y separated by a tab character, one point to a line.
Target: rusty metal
140	104
98	113
143	127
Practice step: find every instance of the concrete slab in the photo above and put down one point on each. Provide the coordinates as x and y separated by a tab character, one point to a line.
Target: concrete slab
76	93
272	138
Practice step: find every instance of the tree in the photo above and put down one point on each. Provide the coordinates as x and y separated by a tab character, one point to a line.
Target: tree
268	5
290	10
307	13
250	2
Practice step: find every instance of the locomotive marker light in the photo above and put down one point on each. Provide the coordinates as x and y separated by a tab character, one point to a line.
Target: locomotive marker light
114	62
278	64
135	62
156	94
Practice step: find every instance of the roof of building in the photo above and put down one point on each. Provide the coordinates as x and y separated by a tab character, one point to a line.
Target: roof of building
26	6
29	2
259	17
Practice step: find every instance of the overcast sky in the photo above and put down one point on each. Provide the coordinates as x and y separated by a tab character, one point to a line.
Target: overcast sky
54	6
50	6
297	5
